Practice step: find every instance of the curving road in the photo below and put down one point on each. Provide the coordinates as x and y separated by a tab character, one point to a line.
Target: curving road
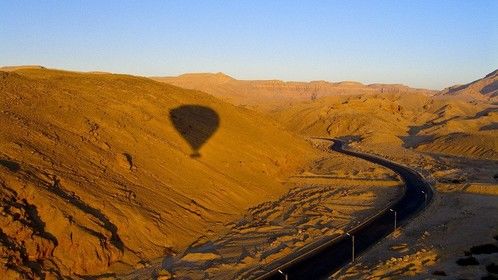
323	260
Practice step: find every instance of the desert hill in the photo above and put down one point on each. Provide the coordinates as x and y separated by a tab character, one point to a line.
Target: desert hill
415	121
268	94
460	120
482	89
20	67
95	177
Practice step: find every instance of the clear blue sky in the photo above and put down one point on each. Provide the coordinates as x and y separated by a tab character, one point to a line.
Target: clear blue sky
430	44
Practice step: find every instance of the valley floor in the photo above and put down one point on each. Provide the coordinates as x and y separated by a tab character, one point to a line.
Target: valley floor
464	215
333	195
437	243
278	228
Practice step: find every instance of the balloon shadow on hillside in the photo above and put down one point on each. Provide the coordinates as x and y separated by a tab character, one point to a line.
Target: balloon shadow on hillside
196	124
10	165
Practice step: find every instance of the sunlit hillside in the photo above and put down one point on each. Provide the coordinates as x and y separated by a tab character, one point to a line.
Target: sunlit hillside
459	121
95	176
411	121
481	89
267	95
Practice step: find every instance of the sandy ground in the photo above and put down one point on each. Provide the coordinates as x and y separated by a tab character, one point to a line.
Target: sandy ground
274	229
451	173
430	246
323	201
463	214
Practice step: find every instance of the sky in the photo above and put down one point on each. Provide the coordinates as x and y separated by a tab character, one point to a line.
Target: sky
428	44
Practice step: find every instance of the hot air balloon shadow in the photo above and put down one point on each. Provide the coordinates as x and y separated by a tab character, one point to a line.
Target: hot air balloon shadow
10	165
196	124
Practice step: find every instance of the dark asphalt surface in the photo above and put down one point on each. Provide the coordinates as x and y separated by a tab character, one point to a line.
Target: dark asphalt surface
327	260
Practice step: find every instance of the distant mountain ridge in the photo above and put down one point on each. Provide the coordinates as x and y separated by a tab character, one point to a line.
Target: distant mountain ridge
20	67
273	92
460	120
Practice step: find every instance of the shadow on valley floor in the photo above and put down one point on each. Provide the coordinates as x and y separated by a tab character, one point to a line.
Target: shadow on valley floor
196	124
12	166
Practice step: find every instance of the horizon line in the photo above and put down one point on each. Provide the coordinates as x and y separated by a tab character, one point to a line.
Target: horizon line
27	66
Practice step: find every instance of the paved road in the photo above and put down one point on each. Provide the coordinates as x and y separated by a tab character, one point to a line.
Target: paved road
323	261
